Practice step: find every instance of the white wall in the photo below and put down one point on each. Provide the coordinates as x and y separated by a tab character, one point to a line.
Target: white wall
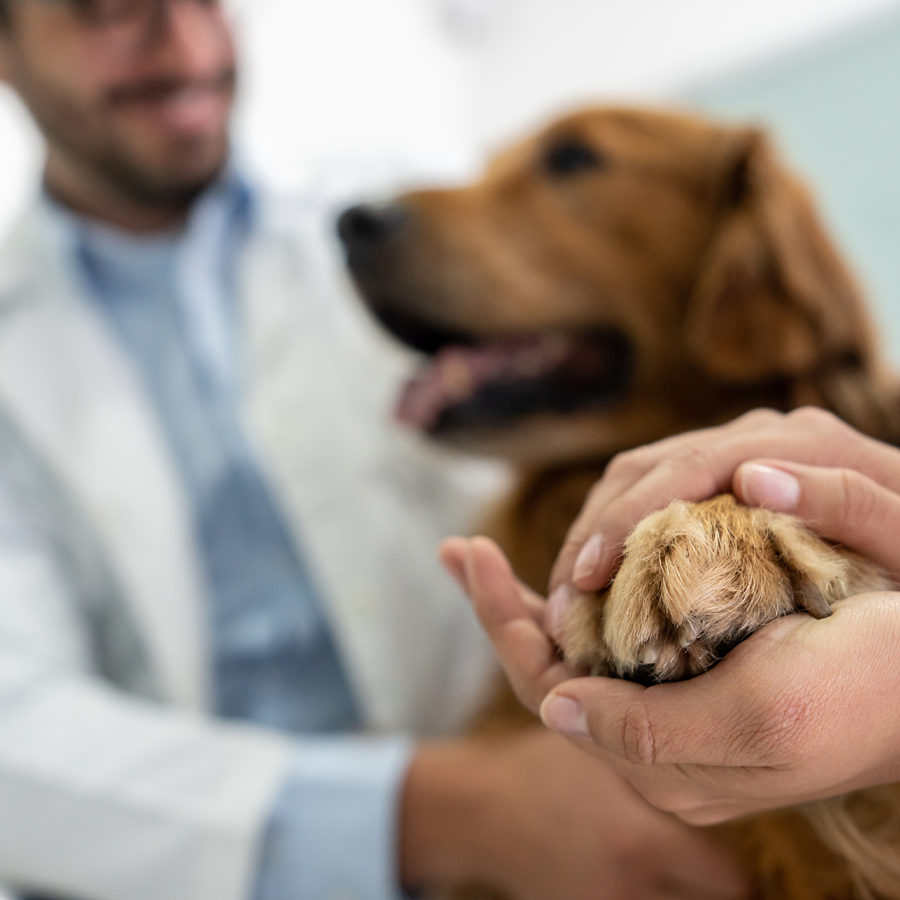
337	90
540	55
334	88
20	158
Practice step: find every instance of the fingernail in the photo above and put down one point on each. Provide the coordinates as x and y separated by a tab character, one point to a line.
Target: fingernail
589	558
768	487
565	715
456	568
557	606
458	573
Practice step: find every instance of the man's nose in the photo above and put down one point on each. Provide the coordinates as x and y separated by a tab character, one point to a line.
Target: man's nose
198	33
367	226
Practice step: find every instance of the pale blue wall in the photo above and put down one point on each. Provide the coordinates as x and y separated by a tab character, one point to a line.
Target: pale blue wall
835	110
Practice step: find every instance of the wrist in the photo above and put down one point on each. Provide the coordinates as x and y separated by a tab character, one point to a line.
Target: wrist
446	815
878	718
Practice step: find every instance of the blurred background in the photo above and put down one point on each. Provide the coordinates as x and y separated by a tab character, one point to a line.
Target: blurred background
346	96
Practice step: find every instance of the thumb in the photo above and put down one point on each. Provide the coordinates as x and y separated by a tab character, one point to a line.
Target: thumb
699	722
839	504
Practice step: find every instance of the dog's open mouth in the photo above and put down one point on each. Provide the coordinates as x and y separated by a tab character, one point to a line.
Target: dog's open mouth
468	383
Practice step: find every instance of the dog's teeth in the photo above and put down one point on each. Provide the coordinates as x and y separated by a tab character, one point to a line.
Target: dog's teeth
456	378
649	655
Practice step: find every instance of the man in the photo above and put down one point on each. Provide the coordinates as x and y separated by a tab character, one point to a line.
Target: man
204	518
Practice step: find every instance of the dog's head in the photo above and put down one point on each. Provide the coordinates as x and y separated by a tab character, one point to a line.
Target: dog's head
622	275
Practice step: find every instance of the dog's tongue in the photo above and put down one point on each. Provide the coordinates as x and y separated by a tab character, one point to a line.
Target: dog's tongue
456	374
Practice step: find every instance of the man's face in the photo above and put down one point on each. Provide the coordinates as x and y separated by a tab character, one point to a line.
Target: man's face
145	108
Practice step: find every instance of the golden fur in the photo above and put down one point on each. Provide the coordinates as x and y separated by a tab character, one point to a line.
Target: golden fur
691	243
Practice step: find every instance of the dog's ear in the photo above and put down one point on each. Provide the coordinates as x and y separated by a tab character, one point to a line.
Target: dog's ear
772	296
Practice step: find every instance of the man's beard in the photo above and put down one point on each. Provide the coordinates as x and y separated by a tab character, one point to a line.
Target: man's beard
146	189
160	188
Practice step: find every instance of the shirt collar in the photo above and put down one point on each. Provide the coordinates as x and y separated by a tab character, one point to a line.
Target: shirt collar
228	206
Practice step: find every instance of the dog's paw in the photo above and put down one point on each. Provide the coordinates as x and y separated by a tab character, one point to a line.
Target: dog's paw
696	579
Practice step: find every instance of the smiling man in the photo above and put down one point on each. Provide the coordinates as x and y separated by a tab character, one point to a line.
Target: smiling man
133	136
223	632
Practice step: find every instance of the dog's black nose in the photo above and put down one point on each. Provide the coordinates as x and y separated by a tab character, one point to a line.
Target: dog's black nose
366	225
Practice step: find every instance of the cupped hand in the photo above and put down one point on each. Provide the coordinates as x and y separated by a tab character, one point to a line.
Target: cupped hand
697	465
801	710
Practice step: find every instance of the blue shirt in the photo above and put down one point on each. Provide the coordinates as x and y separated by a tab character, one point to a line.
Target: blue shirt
171	301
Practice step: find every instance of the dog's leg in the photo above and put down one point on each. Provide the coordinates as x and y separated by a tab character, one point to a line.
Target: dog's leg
696	579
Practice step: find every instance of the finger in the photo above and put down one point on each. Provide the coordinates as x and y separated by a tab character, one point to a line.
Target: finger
615	720
697	723
594	543
696	466
623	473
632	465
505	609
704	872
687	467
840	504
452	554
718	810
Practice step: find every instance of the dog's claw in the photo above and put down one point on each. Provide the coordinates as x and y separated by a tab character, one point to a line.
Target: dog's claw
810	598
679	604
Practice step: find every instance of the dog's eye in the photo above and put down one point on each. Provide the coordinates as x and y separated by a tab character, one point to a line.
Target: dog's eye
571	157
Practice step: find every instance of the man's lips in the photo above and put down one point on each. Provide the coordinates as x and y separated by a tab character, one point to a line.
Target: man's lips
185	107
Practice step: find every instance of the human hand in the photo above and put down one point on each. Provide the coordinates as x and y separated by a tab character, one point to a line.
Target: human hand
853	477
801	710
529	815
798	711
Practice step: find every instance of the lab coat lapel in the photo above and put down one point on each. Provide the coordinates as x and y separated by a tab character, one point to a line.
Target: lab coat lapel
79	401
319	402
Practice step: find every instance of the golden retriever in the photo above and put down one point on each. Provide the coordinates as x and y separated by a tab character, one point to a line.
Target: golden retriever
621	276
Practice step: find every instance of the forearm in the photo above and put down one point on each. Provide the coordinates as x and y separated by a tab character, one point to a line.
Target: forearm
529	815
443	825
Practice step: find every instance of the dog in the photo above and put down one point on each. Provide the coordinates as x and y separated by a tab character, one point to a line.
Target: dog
624	275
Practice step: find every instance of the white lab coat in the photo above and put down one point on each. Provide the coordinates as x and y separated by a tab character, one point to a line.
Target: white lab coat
111	795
